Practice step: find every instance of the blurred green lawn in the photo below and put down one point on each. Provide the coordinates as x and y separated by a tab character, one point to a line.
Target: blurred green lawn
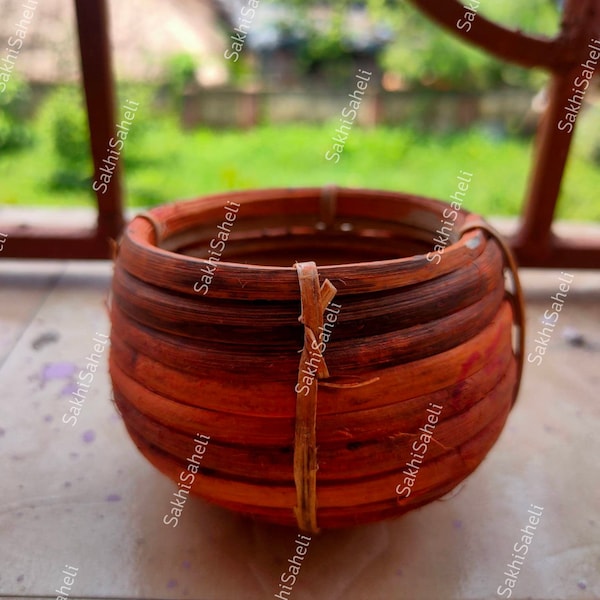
164	164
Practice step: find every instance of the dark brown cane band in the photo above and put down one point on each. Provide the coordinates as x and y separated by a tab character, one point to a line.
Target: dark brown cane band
516	297
328	205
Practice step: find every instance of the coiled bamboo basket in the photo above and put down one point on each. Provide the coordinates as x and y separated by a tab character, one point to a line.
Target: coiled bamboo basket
410	333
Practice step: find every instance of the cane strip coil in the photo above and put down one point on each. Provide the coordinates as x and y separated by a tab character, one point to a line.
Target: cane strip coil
516	297
157	226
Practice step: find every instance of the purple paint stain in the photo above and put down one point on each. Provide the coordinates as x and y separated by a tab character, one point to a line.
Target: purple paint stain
20	578
74	454
172	583
48	418
186	564
581	585
53	371
457	523
399	572
67	484
2	431
88	436
115	418
113	498
69	389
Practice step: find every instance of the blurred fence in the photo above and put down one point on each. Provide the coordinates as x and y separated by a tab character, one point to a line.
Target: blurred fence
439	111
509	110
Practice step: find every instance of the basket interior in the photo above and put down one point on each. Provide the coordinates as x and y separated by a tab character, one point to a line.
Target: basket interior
283	248
281	239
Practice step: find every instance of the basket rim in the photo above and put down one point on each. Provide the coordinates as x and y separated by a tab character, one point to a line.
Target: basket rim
140	247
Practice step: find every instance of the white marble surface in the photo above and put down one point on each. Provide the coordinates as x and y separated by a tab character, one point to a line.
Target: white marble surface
83	496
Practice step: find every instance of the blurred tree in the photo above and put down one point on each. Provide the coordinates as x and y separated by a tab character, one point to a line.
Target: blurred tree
421	54
180	76
424	55
63	119
14	133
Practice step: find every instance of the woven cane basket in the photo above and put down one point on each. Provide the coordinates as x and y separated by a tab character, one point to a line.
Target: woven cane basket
302	432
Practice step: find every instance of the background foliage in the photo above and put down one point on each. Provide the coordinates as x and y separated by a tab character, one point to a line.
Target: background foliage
14	133
46	160
420	53
163	163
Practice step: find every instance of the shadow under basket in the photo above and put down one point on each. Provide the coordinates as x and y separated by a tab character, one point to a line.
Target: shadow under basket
318	357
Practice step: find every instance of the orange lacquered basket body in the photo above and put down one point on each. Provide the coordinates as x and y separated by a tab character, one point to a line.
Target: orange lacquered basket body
413	335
